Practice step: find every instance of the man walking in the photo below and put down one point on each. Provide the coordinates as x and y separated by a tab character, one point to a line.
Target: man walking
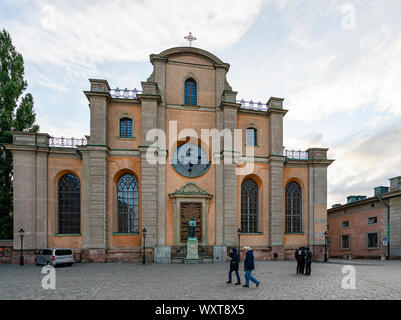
234	265
308	260
249	266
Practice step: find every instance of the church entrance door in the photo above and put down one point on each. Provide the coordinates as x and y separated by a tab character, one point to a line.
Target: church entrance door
187	211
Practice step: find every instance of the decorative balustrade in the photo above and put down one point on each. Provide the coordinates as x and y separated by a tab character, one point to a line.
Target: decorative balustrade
124	93
66	142
296	154
251	105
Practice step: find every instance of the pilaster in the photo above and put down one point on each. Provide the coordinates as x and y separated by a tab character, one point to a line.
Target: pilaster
30	154
150	100
275	191
317	170
230	225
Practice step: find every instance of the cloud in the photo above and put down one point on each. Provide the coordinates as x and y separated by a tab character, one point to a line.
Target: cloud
363	162
78	34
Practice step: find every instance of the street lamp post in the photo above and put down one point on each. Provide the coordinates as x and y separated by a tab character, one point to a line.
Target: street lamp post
239	242
325	246
144	246
21	258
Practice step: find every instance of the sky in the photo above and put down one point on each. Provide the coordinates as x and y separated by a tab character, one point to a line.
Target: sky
336	63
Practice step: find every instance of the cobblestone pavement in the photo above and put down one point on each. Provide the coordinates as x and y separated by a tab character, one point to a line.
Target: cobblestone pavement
374	280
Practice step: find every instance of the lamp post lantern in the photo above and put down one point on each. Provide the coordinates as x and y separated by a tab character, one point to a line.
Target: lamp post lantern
325	246
21	258
144	246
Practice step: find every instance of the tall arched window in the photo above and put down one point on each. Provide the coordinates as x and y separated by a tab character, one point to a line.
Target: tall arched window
190	92
249	206
293	208
69	204
251	137
128	210
125	128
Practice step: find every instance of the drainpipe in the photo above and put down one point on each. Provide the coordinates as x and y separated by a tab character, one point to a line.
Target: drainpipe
388	225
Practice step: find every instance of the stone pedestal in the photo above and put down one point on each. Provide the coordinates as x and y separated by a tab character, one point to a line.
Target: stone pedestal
192	251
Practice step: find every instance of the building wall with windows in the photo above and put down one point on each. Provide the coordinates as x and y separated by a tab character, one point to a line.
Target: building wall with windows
121	192
357	229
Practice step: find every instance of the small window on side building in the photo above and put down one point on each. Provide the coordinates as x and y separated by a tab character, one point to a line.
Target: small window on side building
372	220
345	224
372	239
345	242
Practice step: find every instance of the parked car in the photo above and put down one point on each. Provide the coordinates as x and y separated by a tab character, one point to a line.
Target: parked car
54	257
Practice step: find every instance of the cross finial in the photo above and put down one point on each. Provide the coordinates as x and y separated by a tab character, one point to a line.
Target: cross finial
190	38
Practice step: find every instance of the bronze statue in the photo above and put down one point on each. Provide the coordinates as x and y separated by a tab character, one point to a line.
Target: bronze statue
192	226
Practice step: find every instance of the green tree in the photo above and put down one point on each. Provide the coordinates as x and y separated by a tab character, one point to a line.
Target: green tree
16	114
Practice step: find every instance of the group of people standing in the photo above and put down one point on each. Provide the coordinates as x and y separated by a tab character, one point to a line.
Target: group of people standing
249	266
304	260
303	256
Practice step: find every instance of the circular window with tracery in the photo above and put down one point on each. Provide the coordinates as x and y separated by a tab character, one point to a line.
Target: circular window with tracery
190	160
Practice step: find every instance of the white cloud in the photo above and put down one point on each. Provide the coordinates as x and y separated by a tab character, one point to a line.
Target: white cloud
82	33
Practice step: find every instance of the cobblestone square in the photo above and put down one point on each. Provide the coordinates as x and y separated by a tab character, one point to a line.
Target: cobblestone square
374	280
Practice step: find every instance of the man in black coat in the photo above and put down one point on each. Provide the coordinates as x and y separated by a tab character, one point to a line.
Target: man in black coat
298	254
234	266
308	260
249	266
302	260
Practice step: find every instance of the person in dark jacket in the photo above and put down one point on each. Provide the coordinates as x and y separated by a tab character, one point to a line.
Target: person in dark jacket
249	266
298	254
308	260
234	266
302	260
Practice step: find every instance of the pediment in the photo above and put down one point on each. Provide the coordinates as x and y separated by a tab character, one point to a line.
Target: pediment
191	189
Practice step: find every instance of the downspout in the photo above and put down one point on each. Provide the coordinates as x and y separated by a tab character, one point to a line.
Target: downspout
388	225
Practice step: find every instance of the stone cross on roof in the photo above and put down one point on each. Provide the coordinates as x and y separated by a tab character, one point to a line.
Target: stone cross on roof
190	38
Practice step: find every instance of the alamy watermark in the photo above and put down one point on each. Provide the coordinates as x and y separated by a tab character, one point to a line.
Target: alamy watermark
349	280
349	20
49	280
225	146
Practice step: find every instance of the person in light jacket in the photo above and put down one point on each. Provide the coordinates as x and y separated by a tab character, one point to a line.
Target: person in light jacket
249	266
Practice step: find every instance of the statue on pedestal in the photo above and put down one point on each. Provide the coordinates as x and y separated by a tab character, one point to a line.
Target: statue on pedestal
192	244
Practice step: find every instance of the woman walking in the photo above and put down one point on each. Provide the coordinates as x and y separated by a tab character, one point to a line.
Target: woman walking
234	266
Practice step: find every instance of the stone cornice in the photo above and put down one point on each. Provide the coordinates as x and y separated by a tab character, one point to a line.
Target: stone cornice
195	51
190	189
230	105
276	111
90	94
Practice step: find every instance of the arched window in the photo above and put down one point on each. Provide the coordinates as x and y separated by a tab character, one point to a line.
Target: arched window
251	137
125	128
249	206
190	92
128	210
69	205
293	208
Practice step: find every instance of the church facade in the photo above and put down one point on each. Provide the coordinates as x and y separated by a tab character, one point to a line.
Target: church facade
147	165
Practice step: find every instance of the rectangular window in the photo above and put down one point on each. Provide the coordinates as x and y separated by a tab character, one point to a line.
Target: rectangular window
251	137
372	220
345	224
372	240
345	242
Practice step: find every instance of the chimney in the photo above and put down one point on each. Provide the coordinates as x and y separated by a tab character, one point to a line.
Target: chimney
351	199
380	190
395	183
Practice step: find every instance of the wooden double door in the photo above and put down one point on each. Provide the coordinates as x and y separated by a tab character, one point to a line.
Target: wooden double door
187	211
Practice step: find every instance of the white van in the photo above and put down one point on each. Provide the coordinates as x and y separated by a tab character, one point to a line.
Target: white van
54	257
